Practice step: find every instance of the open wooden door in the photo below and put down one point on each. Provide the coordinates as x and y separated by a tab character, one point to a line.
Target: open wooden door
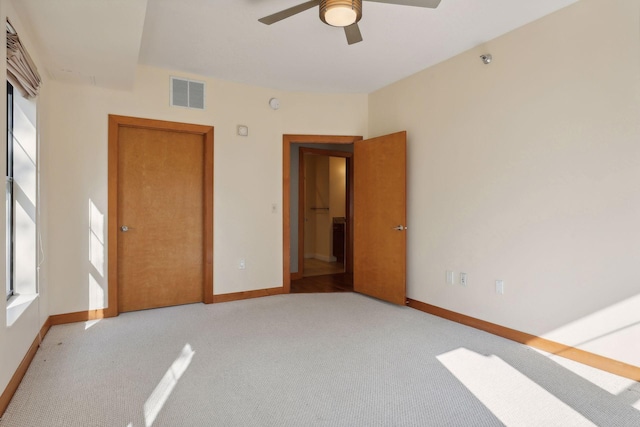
380	215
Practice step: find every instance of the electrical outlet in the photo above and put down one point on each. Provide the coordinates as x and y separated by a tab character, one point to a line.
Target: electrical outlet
242	265
463	279
500	287
449	277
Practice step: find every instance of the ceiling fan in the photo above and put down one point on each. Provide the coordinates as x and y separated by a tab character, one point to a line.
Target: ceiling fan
342	13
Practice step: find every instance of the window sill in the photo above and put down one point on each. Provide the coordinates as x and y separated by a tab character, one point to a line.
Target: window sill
17	305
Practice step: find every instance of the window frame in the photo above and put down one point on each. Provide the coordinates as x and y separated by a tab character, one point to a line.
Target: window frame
9	199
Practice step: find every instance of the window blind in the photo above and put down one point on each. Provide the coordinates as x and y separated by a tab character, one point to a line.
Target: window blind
21	71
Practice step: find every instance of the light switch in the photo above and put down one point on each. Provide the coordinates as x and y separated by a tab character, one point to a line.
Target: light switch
450	277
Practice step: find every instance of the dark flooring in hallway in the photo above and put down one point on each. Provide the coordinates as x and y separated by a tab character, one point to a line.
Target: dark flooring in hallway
342	282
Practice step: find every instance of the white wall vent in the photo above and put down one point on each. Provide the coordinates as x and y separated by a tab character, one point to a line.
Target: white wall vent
187	93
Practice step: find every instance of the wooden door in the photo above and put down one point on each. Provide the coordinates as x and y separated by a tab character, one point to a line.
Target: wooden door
380	217
160	218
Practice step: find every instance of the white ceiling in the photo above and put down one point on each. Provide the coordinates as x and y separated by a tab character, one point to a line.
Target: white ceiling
101	41
86	41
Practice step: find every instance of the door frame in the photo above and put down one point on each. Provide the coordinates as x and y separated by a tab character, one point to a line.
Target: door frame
115	123
287	141
348	256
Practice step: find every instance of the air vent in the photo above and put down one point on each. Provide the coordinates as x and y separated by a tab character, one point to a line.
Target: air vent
187	93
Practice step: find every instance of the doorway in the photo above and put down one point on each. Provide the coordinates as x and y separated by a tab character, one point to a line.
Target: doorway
324	206
379	209
293	225
325	196
160	214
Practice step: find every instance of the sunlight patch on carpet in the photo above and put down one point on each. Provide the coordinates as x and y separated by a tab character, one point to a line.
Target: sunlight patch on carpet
505	391
90	323
163	390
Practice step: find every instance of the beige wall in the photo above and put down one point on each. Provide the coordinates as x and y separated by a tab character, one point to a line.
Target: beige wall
247	173
527	170
337	194
337	186
321	203
16	339
309	202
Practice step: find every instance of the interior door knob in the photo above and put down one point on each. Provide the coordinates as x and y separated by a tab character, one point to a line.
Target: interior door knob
400	228
124	228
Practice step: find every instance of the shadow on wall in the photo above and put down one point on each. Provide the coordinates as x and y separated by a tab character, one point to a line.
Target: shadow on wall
613	331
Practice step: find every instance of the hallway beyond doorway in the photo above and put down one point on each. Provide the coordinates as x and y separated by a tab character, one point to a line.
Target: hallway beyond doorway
316	267
342	282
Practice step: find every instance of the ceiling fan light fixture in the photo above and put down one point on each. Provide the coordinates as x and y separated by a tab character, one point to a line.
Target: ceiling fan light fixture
340	13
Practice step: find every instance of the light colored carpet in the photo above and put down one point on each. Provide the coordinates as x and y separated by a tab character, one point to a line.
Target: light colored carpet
305	360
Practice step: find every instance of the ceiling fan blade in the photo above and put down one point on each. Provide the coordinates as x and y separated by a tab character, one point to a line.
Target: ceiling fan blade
353	33
283	14
417	3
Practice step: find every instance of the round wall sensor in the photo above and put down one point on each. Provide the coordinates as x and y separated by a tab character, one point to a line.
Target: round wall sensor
274	103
